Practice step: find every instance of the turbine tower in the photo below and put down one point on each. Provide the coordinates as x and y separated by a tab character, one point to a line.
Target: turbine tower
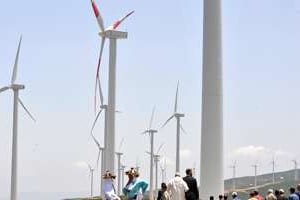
119	155
212	179
296	169
112	34
15	88
233	175
151	133
176	115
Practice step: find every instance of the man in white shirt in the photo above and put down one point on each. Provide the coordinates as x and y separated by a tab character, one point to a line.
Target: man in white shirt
177	188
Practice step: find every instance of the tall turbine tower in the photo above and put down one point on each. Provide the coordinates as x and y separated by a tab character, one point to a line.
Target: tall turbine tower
163	168
176	115
112	34
15	88
212	179
151	133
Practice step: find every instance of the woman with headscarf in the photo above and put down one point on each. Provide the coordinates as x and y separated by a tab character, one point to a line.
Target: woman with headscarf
135	187
108	187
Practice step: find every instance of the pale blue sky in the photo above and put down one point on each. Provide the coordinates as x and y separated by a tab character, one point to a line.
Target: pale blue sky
58	60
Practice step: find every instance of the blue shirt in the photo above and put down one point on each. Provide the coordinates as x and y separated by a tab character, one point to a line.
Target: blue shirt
293	197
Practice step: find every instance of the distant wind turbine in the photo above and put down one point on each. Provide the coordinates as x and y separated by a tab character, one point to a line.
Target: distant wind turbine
92	179
119	155
156	158
112	34
233	175
176	115
100	154
163	168
296	169
15	88
273	170
151	132
255	166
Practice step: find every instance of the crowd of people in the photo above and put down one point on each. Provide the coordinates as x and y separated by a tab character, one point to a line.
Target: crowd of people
181	188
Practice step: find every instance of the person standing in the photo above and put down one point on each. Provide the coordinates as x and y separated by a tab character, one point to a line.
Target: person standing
193	192
177	188
108	186
298	191
234	196
162	193
293	195
135	188
282	195
270	195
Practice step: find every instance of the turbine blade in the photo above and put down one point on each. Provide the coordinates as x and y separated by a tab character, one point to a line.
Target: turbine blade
147	152
121	144
98	16
167	121
95	121
182	129
98	158
27	111
145	132
176	98
117	23
96	141
152	116
98	84
3	89
15	69
160	148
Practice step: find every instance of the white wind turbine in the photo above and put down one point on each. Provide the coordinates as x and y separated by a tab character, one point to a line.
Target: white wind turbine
295	169
100	154
156	158
255	166
233	175
273	170
15	88
163	169
112	34
92	179
151	132
179	127
119	155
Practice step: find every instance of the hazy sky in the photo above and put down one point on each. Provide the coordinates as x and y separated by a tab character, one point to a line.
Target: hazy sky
57	64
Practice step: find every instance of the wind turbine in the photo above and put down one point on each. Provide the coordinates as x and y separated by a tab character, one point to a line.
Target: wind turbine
212	160
112	34
137	165
163	169
176	115
255	166
92	179
123	172
156	158
151	132
296	169
100	154
119	155
233	175
15	88
273	170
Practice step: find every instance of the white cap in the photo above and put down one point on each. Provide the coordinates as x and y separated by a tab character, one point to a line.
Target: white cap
234	194
281	190
270	191
177	174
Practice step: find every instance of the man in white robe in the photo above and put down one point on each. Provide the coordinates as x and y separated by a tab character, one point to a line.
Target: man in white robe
177	188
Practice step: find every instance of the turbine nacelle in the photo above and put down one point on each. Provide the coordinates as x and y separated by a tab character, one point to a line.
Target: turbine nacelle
113	34
17	87
178	115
